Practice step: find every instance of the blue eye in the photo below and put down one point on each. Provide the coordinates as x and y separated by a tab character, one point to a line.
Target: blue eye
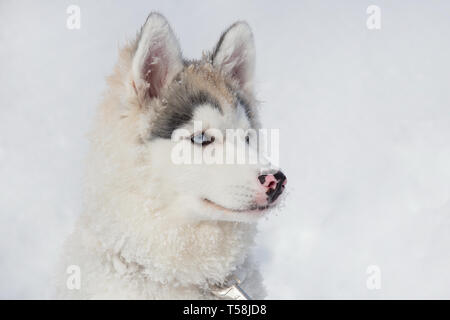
202	139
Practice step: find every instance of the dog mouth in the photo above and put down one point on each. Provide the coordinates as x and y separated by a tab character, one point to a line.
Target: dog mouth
253	208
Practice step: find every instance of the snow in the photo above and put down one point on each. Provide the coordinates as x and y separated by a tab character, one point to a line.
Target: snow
364	125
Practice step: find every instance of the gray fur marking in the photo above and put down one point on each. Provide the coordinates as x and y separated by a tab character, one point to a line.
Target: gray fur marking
179	110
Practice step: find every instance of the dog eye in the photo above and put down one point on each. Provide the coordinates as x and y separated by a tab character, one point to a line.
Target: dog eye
202	138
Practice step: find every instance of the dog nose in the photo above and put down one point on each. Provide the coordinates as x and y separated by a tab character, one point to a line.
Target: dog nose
274	184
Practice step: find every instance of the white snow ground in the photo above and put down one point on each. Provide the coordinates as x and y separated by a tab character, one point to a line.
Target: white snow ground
365	135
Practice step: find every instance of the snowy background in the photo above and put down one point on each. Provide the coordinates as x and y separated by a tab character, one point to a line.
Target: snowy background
365	135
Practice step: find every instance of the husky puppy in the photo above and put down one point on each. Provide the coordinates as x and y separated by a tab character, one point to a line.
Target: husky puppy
153	228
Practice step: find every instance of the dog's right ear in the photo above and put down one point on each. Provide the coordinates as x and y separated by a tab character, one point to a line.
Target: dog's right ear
157	58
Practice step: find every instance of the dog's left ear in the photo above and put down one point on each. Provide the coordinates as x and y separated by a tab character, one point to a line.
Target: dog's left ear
157	58
235	54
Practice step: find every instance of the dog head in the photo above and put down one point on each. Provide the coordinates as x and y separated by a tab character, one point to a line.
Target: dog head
180	121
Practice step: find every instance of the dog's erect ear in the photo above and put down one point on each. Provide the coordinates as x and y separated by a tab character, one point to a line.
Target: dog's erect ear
235	53
158	57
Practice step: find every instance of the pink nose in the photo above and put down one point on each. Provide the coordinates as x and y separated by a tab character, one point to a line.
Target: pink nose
274	185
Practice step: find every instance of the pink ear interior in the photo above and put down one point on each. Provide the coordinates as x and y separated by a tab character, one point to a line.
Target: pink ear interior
155	69
237	61
234	53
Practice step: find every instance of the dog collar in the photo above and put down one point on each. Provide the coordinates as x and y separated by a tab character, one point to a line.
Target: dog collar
233	291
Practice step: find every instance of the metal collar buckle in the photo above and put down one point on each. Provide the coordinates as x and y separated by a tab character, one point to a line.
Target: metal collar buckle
233	292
